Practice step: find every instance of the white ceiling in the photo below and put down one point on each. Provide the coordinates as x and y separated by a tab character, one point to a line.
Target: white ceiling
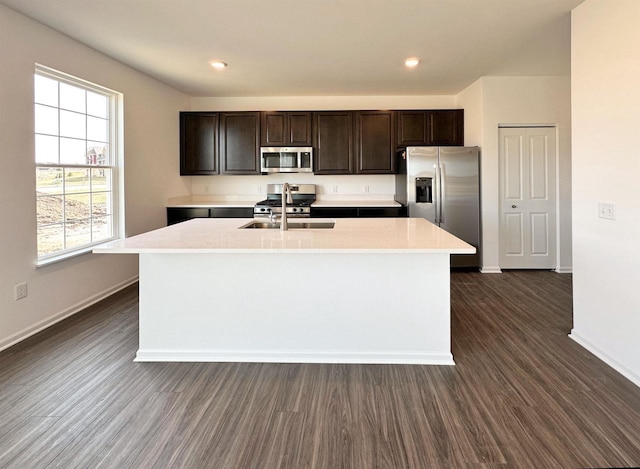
319	47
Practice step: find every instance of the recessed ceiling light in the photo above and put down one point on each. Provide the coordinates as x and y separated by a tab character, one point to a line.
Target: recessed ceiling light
218	65
411	62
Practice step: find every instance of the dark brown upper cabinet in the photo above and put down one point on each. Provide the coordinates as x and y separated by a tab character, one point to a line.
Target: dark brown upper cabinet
333	141
441	127
376	145
285	128
345	142
198	143
412	128
239	143
445	127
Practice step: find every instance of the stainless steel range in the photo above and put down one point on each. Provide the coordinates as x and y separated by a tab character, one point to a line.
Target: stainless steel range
302	196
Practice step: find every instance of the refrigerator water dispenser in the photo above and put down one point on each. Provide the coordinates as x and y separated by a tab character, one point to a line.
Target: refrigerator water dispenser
424	190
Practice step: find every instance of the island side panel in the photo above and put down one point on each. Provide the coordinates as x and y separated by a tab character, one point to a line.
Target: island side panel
302	307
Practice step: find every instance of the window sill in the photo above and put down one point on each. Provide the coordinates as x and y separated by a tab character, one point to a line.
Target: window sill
68	255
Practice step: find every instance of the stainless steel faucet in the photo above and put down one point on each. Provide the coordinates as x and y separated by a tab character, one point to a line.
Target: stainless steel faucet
287	198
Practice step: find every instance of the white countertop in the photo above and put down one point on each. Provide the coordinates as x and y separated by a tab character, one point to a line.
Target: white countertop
211	202
356	203
350	235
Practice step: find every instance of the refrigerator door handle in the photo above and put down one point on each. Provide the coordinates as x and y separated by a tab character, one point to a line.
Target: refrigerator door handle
436	190
441	178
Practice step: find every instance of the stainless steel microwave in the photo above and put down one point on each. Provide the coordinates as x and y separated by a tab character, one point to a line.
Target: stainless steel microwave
286	159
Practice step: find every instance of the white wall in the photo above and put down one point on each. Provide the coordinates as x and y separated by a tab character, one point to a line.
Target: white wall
471	100
492	101
151	173
378	186
320	103
605	63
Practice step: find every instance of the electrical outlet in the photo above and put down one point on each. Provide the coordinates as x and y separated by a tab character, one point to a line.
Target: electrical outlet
334	189
607	210
206	189
20	291
365	189
258	189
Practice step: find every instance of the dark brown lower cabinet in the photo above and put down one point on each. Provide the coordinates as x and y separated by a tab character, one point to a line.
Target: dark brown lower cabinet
180	214
334	212
355	212
374	212
177	215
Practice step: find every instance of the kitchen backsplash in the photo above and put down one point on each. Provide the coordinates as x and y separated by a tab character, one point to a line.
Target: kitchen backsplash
357	187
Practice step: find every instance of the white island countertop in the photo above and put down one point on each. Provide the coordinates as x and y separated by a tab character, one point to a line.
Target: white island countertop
207	295
349	235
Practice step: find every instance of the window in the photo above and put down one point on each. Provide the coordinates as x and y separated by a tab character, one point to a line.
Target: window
76	164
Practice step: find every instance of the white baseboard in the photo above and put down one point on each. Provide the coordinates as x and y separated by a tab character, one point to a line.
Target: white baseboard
605	357
268	356
497	270
564	270
41	325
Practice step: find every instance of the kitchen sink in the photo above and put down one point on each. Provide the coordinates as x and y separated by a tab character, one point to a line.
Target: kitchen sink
293	225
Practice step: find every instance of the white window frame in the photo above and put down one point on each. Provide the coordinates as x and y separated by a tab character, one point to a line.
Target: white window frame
115	149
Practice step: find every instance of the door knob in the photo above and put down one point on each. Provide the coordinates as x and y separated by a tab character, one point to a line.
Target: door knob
514	206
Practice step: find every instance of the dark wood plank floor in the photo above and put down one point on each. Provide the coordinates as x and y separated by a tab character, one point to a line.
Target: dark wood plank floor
521	395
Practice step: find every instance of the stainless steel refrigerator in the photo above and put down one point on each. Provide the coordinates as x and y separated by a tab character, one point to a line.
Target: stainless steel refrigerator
442	184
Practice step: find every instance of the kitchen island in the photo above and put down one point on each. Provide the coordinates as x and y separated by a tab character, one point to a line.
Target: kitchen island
369	290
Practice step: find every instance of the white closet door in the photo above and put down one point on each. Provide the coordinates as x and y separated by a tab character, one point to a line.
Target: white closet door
528	198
